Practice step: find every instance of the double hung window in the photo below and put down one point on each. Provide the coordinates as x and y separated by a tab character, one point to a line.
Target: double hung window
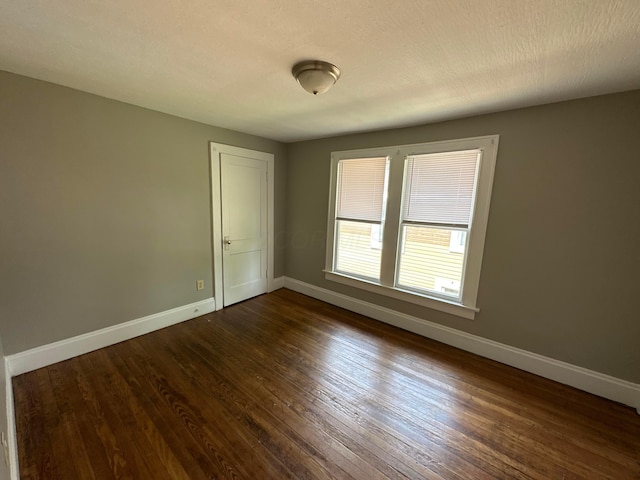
409	221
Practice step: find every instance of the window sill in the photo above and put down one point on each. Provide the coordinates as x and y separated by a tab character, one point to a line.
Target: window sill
434	303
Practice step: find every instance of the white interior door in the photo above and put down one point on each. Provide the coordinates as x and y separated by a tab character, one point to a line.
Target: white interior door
243	200
236	275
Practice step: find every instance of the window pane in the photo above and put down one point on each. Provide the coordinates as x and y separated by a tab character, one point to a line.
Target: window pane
427	261
356	254
439	187
361	184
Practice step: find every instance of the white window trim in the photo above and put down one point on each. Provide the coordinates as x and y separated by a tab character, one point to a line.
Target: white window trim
467	307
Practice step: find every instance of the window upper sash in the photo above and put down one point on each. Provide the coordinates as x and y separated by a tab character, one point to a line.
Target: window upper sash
361	189
439	188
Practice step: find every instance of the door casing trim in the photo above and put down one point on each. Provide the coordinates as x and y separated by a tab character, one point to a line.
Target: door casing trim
217	149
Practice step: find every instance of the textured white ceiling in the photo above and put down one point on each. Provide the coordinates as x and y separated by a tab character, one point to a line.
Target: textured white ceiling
403	62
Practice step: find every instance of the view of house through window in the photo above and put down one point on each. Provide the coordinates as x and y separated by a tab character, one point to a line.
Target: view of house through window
405	219
426	263
357	251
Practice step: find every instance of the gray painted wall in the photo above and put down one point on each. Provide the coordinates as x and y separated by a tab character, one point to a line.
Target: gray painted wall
105	211
561	266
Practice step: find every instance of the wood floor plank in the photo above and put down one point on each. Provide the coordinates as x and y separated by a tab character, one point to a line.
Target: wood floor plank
251	418
35	451
337	453
121	455
353	393
187	411
171	429
82	436
546	445
83	465
246	425
284	372
58	425
137	419
285	386
126	419
338	389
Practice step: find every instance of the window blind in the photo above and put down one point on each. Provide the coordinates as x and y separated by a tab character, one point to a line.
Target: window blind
361	185
439	187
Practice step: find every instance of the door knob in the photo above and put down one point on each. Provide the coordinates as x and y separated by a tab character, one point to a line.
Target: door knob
227	241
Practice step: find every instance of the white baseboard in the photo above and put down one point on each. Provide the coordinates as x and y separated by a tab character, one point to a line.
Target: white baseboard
590	381
275	284
39	357
12	437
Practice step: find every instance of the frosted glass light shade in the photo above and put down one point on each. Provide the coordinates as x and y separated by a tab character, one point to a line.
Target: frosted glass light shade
315	76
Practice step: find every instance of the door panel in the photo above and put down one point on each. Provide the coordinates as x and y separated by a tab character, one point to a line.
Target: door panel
244	227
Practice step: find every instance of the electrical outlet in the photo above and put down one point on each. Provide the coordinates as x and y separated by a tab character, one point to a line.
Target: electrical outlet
200	285
5	447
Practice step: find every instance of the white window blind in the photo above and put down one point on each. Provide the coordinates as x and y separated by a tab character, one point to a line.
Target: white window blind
439	188
361	189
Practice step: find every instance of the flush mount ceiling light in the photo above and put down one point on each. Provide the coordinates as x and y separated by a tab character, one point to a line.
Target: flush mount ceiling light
315	76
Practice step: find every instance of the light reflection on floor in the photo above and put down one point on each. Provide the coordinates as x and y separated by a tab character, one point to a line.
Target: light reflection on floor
365	377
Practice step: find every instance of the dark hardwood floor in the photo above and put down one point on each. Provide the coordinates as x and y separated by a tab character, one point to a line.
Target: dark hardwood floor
284	386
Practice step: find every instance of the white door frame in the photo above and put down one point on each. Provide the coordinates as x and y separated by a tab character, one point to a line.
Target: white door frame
216	149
